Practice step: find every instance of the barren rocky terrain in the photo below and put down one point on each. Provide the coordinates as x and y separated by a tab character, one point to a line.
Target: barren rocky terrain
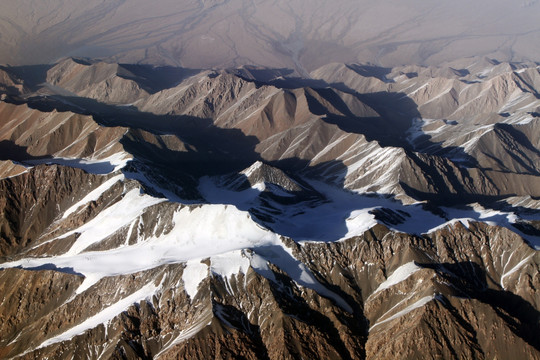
362	212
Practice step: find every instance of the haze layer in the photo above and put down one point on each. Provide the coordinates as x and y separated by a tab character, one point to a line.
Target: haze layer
297	34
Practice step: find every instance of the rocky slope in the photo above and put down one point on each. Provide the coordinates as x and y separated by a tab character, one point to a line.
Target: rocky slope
361	213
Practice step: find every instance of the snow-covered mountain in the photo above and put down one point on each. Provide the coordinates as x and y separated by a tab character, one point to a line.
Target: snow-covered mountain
360	212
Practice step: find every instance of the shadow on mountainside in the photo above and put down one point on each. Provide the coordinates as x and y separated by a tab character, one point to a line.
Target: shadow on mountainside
522	140
175	151
151	78
11	151
209	150
189	147
52	267
231	316
391	128
470	280
295	305
396	124
396	113
375	71
155	79
32	75
167	140
195	146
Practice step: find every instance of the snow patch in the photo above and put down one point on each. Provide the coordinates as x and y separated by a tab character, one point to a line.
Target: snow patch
110	220
229	264
104	315
423	301
206	231
453	222
402	273
93	166
514	269
283	257
260	266
202	321
254	167
93	195
194	273
88	282
359	222
210	230
216	195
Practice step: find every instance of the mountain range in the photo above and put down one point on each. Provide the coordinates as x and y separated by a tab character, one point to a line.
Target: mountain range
354	211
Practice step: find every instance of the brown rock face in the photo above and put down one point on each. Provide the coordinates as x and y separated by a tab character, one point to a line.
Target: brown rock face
32	201
32	134
109	83
453	303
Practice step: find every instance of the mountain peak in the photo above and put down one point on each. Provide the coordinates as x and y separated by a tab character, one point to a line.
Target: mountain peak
259	174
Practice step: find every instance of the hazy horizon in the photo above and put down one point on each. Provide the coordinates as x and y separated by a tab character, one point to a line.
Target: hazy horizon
299	34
